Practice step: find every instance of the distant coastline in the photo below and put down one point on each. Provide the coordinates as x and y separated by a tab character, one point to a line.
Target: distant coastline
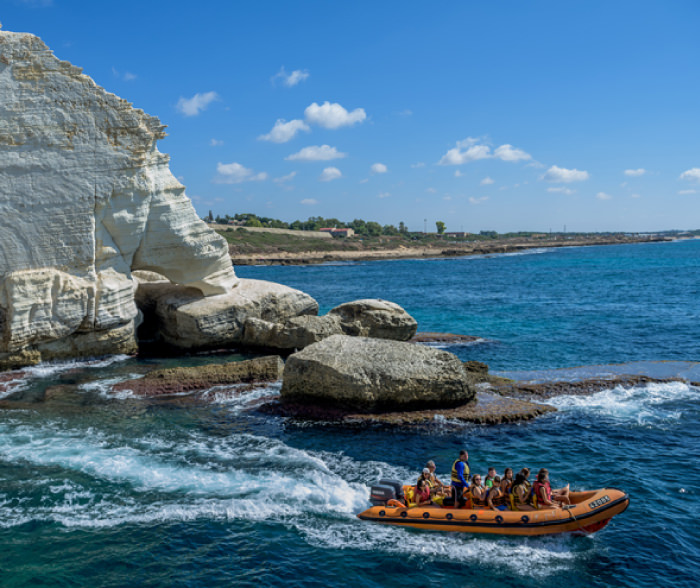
247	248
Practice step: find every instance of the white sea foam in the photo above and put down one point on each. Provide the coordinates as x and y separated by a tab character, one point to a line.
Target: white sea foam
648	404
239	397
94	480
539	557
292	482
104	387
25	376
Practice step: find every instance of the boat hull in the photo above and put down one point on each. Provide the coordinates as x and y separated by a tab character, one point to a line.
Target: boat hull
590	512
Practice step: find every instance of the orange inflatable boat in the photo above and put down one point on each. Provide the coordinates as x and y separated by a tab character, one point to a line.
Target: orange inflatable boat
589	512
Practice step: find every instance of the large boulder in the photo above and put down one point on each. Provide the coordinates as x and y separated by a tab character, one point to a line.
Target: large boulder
364	318
85	199
375	318
375	374
296	333
183	318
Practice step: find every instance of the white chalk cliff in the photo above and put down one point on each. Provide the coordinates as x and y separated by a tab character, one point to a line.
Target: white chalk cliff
85	199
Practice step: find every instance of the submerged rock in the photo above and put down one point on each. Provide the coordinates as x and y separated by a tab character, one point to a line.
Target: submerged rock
375	374
189	379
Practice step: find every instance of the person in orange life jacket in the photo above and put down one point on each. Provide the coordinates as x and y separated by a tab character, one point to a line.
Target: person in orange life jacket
495	496
488	481
433	478
477	491
437	491
460	477
544	493
520	493
421	496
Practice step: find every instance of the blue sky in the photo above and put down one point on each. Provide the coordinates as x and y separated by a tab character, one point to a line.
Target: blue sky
487	115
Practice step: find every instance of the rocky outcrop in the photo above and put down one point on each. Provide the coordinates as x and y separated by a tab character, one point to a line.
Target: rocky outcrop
366	318
185	319
189	379
375	374
375	318
296	333
85	199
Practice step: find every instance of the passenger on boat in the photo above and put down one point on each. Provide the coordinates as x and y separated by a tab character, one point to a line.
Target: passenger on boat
438	492
495	496
507	480
488	481
433	478
460	477
421	495
561	494
425	475
520	495
545	497
477	492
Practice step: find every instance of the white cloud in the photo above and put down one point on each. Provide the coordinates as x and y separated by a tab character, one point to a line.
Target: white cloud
456	156
235	173
561	174
431	190
284	131
561	190
383	195
288	178
333	116
486	181
405	112
378	168
458	174
692	175
291	79
193	106
603	196
635	172
329	174
364	181
479	200
510	153
316	153
309	201
470	149
687	191
447	197
418	165
216	143
635	196
127	77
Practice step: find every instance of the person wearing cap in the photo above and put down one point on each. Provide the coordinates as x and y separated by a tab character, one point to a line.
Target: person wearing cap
434	482
425	475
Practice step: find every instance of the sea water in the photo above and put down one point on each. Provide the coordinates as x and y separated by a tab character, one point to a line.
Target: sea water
103	489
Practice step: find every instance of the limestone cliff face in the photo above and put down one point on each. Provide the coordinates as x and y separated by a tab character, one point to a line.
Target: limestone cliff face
85	199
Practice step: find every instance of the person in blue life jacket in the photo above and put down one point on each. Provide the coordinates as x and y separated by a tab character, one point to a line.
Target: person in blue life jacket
460	477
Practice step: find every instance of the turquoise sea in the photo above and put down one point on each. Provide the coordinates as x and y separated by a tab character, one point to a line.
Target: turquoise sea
98	489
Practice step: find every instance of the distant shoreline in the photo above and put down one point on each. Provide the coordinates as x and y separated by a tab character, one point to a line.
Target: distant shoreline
449	249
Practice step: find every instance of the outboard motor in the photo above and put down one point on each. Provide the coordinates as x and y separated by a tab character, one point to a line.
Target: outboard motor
384	491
